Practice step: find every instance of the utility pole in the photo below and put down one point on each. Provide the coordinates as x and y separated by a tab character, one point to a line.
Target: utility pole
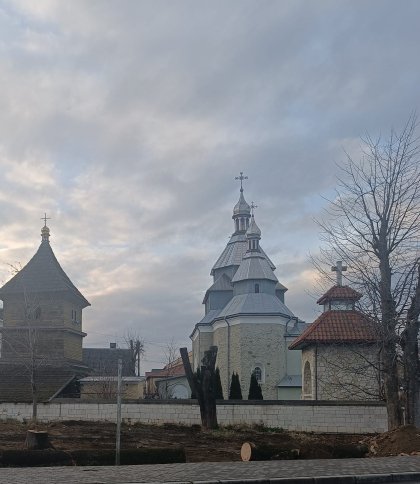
118	439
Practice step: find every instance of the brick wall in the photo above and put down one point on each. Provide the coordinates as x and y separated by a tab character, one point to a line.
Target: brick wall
300	416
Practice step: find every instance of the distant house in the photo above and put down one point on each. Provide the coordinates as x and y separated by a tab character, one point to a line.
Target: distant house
168	382
104	361
105	387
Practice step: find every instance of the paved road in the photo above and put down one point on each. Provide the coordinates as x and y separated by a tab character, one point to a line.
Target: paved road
305	471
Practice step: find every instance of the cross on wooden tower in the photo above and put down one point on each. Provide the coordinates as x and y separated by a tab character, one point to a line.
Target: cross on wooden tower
45	218
339	269
241	177
253	207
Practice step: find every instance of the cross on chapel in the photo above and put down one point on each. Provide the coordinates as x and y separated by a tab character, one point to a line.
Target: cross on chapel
339	269
241	177
253	207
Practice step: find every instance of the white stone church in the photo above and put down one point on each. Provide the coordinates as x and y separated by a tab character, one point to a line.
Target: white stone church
246	316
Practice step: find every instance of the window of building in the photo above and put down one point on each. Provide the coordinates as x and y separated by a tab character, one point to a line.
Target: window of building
257	288
258	374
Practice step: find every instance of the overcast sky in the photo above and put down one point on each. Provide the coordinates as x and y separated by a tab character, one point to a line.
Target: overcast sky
127	122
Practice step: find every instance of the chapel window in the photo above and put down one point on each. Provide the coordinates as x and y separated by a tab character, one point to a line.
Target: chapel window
257	288
307	380
258	374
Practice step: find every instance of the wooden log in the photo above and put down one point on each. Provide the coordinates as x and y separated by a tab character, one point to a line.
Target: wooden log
37	440
90	457
251	451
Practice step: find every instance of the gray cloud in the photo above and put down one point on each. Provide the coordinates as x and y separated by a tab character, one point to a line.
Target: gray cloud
128	122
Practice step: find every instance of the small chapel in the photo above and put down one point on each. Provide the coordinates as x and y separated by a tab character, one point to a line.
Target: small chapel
42	335
340	349
246	317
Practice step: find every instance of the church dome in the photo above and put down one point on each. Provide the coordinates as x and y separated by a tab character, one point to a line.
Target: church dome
242	207
253	230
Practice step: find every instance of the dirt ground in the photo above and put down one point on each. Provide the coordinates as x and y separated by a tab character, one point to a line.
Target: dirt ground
219	445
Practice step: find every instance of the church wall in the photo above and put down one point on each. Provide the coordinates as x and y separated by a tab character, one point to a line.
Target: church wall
341	372
263	345
247	287
347	372
201	343
293	358
228	358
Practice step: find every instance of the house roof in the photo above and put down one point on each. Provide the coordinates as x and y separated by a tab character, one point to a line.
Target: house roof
337	327
42	273
104	361
339	292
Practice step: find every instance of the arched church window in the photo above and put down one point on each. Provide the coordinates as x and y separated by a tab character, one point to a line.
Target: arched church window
237	224
258	374
307	379
257	288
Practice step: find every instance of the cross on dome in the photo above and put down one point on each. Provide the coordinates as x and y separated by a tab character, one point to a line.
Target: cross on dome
45	218
253	207
45	231
241	177
339	269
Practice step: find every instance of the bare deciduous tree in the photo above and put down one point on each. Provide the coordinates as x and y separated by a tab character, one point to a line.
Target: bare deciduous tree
137	347
373	224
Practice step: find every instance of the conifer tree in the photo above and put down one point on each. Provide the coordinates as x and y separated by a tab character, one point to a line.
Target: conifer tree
235	392
255	392
218	390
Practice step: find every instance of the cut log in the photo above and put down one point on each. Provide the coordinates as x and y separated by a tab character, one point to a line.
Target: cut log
37	440
251	451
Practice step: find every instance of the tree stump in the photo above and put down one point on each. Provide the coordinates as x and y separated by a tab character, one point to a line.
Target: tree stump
251	451
37	440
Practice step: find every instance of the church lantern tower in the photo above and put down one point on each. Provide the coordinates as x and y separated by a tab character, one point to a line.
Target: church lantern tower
42	311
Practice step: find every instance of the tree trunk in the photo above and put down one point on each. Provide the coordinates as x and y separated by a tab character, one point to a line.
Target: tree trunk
37	440
204	389
34	391
391	387
251	451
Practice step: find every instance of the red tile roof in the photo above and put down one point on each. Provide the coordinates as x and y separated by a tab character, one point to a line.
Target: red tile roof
339	292
337	327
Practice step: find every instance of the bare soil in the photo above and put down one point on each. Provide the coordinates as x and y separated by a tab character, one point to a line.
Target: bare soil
402	441
219	445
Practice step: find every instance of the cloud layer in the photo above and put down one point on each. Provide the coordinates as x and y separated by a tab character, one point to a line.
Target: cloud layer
128	121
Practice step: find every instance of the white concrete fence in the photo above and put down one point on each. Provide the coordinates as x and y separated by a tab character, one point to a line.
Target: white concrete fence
297	415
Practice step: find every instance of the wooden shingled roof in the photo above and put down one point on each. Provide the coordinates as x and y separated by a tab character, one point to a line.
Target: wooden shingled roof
42	273
337	327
